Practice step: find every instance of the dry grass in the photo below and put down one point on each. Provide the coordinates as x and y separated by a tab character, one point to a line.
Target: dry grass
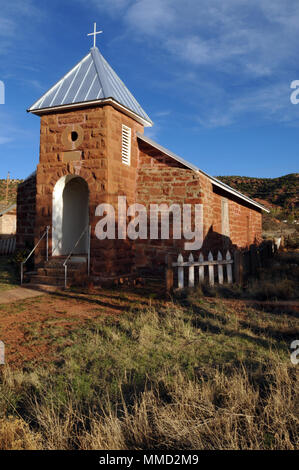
188	374
227	411
15	434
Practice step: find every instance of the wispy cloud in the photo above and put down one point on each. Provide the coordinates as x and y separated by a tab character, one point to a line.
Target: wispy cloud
5	140
242	48
13	14
162	114
10	130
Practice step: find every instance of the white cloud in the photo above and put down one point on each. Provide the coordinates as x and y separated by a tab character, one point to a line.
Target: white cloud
13	13
229	53
151	16
213	32
10	131
267	104
163	113
255	36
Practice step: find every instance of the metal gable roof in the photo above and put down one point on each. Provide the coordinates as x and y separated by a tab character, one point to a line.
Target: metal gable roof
4	209
91	80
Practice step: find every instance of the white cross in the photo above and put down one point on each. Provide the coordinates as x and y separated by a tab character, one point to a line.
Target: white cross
94	34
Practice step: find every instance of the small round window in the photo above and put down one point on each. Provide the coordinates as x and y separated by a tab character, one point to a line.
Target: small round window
74	136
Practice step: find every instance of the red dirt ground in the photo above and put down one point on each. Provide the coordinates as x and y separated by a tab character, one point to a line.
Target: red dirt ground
64	310
33	330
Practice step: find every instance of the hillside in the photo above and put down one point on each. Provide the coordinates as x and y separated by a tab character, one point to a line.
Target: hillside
279	192
12	191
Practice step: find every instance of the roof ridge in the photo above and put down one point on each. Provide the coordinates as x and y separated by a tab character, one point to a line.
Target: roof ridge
97	61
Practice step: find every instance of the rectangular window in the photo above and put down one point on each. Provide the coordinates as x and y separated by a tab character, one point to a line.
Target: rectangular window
225	218
225	223
126	145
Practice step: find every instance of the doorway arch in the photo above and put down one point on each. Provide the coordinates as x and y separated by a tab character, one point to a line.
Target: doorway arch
70	215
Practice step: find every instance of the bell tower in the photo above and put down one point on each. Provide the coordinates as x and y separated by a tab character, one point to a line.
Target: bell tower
88	136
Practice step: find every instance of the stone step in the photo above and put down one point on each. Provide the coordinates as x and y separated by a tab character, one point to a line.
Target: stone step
50	280
52	272
73	258
71	264
58	271
42	287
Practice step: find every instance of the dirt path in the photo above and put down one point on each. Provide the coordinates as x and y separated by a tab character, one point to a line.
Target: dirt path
17	294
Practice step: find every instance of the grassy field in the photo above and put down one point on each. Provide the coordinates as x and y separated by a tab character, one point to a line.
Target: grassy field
125	369
197	374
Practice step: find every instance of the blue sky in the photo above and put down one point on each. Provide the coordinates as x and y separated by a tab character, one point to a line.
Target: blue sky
213	75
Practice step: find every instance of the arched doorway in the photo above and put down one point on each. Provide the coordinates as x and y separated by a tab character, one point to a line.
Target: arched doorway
70	215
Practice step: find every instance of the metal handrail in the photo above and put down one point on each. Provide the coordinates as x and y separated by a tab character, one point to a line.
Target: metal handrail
46	233
88	227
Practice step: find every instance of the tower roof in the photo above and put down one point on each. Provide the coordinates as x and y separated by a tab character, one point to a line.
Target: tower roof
91	81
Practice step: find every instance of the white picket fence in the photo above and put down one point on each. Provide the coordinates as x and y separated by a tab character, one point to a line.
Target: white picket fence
7	246
221	265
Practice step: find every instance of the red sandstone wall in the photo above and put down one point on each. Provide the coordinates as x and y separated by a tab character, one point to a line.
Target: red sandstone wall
245	222
92	166
118	255
161	179
101	167
26	207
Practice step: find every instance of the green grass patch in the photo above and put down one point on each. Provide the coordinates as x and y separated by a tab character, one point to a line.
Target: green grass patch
8	275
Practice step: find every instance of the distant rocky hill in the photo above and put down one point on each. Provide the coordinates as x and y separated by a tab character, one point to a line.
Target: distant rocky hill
280	193
12	191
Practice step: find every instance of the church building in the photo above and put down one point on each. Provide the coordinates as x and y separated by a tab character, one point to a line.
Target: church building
93	150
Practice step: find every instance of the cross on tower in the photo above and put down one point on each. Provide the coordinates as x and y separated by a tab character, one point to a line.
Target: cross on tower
94	34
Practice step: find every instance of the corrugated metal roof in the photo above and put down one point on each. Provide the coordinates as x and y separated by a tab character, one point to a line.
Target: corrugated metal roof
214	180
92	79
4	209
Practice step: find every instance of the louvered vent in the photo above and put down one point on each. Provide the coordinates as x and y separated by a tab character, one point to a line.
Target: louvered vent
126	145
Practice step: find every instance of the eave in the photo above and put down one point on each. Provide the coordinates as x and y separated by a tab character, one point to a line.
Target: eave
114	103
